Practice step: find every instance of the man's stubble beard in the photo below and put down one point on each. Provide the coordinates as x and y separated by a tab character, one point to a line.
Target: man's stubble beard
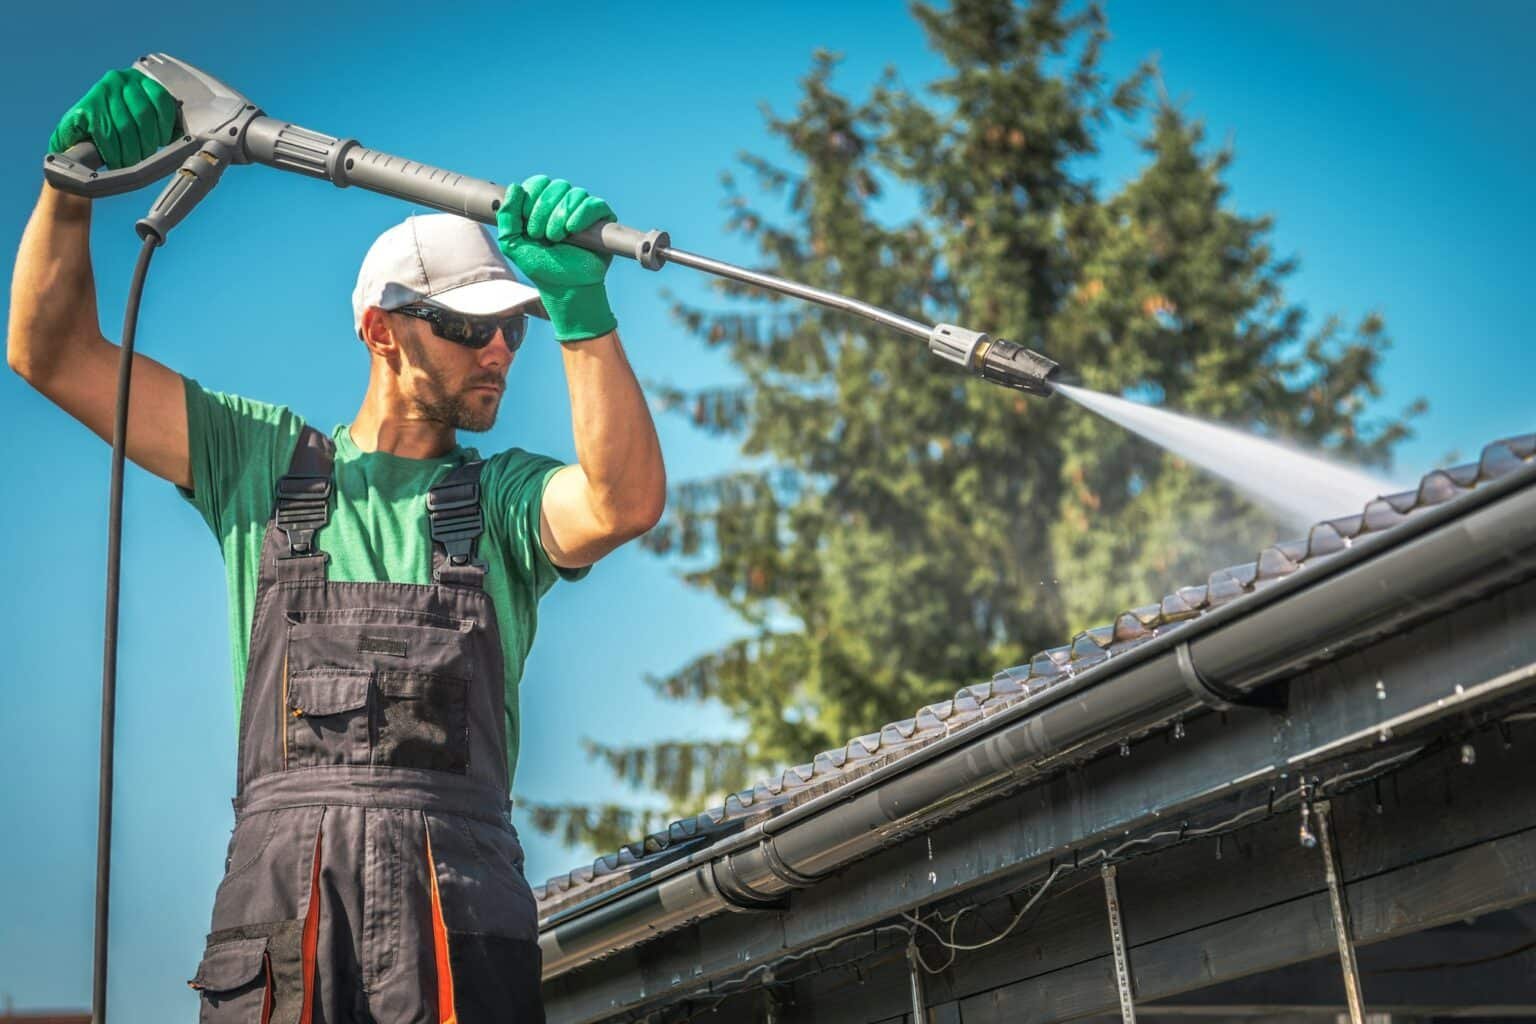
437	405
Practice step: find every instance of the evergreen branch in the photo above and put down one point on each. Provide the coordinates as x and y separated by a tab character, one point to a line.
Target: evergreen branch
601	827
682	770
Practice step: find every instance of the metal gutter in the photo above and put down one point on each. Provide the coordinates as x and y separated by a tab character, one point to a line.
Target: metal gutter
1473	543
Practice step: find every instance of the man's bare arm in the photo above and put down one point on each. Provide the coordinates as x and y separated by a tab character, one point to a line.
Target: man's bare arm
618	488
55	342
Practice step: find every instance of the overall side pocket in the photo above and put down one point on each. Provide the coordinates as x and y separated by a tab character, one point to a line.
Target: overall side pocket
327	717
234	982
251	975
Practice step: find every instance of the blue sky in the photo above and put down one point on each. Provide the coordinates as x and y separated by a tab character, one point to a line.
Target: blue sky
1390	140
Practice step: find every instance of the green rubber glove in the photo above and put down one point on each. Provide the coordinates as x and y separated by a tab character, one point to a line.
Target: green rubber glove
127	114
534	219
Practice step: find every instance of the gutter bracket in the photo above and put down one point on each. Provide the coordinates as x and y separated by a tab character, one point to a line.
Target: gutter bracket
1274	697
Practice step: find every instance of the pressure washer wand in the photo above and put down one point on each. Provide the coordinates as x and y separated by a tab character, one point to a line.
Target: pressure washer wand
344	163
214	113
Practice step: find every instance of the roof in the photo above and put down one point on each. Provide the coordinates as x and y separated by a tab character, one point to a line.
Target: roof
831	769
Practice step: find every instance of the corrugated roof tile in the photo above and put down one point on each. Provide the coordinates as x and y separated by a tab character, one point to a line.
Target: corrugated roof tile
1061	656
1380	515
1175	609
864	746
1085	652
830	760
1322	540
1462	476
1223	587
1274	563
1437	487
1129	627
1348	526
1498	458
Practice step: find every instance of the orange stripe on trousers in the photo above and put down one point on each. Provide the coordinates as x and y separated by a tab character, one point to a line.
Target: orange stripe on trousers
311	937
266	997
445	1011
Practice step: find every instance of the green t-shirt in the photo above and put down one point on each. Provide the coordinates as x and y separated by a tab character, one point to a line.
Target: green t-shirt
378	530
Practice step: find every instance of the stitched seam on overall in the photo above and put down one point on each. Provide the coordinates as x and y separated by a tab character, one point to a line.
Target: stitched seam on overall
255	857
320	614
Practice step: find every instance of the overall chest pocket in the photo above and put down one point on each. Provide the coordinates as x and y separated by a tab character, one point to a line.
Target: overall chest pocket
391	691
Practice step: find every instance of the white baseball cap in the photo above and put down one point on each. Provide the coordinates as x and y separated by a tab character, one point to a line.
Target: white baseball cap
443	258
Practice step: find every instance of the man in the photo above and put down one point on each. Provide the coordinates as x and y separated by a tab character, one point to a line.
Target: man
383	587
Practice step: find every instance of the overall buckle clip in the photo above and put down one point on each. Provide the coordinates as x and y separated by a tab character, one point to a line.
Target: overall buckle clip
303	507
456	521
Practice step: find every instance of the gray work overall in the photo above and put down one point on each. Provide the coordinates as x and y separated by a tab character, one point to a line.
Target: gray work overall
373	874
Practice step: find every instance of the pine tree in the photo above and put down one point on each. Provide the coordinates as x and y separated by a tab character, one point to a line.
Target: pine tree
905	528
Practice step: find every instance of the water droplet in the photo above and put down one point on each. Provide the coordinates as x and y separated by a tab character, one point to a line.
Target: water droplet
1178	729
1381	690
933	878
1460	690
1125	748
1468	754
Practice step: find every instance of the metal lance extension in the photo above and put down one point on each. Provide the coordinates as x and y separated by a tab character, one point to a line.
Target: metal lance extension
214	112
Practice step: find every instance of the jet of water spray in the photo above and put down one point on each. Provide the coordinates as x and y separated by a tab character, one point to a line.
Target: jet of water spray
1302	488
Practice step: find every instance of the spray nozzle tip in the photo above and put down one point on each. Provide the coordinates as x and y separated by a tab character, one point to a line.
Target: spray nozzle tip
994	359
1015	366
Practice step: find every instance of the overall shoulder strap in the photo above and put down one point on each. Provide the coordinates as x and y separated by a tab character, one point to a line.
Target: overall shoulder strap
453	511
303	506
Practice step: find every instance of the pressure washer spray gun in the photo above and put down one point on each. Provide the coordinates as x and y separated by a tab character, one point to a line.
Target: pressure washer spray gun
221	127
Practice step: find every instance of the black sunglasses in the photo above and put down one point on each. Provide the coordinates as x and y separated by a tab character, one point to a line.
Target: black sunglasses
470	331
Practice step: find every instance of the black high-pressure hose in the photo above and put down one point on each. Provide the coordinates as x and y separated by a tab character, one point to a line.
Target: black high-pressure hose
109	649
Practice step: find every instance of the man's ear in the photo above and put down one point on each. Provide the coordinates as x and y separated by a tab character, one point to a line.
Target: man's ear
379	334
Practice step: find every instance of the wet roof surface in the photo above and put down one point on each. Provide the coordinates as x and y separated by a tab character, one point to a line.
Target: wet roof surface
862	754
